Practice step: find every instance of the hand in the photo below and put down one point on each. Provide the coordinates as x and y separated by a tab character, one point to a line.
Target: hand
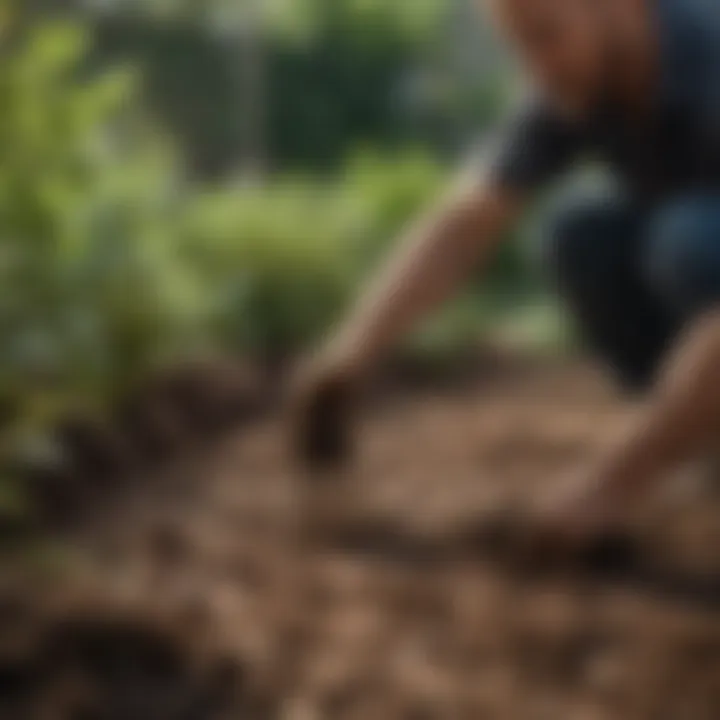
324	394
585	522
578	509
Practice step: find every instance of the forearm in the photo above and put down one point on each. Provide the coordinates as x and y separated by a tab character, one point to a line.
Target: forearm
434	257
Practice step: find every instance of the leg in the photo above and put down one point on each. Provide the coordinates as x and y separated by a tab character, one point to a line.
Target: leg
594	253
682	262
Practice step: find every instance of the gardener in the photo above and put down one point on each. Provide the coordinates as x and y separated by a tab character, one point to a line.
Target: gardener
635	83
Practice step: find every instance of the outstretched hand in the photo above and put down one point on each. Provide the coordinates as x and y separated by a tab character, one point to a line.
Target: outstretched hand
324	396
583	523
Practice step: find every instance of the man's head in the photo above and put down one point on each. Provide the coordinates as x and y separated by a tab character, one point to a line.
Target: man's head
571	48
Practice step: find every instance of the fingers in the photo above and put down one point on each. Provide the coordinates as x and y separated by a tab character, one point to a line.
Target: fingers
535	542
322	416
322	433
544	544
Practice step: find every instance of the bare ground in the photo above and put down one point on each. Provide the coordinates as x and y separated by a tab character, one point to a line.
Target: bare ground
206	603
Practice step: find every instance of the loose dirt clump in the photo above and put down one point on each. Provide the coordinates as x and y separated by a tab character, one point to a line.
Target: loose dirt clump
87	655
92	460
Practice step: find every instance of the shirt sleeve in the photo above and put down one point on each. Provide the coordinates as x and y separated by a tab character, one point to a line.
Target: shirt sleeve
532	150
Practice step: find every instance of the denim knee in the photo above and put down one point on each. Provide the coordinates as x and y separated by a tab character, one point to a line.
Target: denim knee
580	248
594	249
682	259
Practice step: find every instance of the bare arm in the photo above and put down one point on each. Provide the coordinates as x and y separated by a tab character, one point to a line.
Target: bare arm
680	421
434	257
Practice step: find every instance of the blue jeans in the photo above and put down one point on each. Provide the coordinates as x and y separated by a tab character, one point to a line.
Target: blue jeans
633	278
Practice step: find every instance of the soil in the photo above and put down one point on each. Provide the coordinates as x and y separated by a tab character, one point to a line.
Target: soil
202	598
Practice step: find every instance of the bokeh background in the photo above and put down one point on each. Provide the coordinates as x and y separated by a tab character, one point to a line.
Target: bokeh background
191	192
183	177
179	176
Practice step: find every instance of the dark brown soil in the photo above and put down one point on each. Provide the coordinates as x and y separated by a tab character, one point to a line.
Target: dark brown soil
256	622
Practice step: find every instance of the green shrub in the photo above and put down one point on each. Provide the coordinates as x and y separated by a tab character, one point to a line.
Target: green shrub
92	287
282	261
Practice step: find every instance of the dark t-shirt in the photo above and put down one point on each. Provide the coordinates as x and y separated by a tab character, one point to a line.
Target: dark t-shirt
676	150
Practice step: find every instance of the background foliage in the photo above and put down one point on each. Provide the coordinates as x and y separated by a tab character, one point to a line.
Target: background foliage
131	232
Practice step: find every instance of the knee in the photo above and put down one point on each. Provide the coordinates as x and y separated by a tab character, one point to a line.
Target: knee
574	244
683	258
